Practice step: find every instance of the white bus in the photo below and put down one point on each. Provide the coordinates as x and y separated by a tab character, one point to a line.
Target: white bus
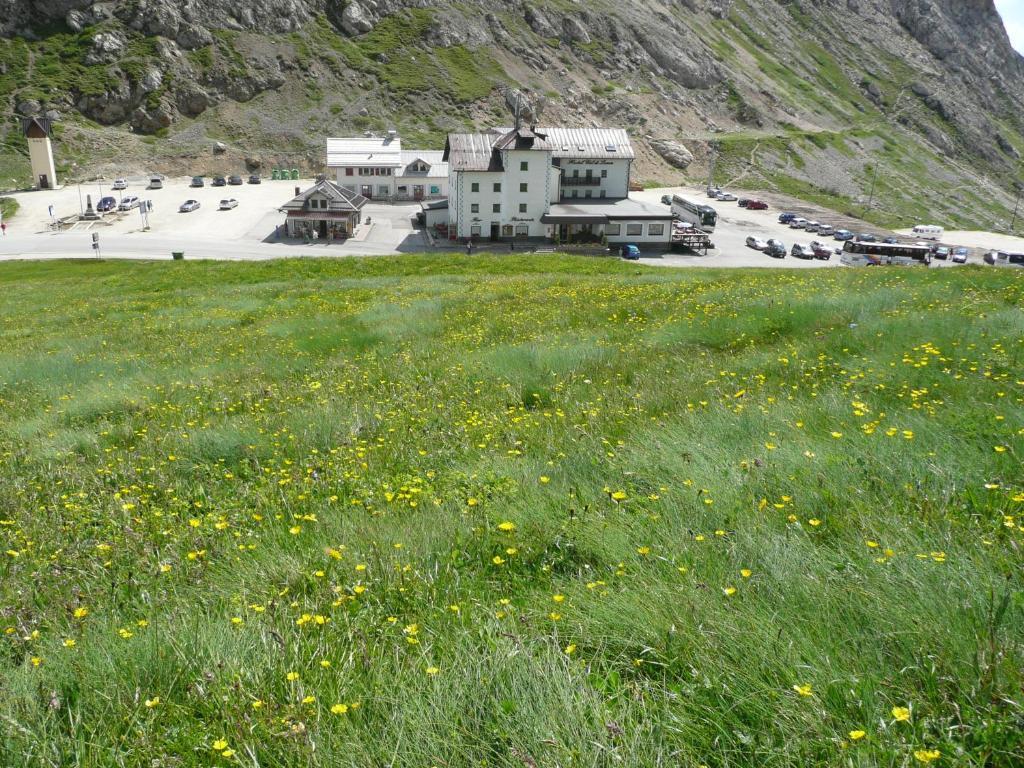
879	254
928	232
703	217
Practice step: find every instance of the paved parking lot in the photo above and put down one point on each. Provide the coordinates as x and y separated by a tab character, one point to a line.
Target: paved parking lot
253	229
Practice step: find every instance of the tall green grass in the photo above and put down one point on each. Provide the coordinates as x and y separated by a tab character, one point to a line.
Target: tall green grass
509	511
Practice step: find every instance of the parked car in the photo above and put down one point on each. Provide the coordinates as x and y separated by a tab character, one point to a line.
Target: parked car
188	206
821	251
197	181
743	202
106	204
255	179
228	204
726	197
827	230
630	252
119	184
960	255
757	205
866	237
713	191
128	203
813	226
842	235
1004	259
941	252
776	249
235	181
666	199
156	182
219	181
802	252
785	218
756	243
798	223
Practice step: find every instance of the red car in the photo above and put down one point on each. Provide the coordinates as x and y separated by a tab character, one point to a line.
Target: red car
757	205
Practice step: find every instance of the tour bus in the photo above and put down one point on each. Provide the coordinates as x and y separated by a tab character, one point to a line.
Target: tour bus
703	217
928	232
878	254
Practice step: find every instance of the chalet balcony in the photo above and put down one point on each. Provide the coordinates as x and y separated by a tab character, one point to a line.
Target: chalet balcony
581	181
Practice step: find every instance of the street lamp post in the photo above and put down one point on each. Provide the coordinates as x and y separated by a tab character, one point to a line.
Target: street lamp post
874	177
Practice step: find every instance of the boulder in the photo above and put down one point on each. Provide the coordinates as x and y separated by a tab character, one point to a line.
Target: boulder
355	20
28	108
192	36
151	80
539	22
219	147
573	31
673	153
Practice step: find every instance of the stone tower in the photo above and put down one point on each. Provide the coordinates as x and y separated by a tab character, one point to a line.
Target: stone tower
40	152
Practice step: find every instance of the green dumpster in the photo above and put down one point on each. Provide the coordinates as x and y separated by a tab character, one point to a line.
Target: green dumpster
295	174
178	255
275	175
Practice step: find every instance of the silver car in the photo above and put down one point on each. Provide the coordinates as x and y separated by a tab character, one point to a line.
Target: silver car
188	206
128	203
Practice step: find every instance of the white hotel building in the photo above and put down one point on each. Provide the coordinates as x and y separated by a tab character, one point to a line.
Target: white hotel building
547	183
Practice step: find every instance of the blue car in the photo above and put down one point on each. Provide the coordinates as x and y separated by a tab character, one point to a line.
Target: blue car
785	218
106	204
630	252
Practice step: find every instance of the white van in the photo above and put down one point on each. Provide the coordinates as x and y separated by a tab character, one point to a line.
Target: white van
156	182
928	232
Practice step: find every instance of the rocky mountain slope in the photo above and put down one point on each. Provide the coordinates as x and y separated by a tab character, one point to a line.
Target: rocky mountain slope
911	104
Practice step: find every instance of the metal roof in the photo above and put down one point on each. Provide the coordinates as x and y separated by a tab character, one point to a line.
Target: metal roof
432	157
383	151
588	143
339	199
471	152
582	211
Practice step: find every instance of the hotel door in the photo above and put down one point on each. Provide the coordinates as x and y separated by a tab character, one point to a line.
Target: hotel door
495	230
417	192
366	190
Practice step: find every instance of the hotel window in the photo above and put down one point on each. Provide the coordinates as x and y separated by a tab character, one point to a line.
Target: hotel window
522	230
435	190
349	171
474	231
588	193
497	186
524	166
656	229
634	230
524	187
383	189
613	230
603	193
506	231
604	174
474	208
474	187
522	207
496	208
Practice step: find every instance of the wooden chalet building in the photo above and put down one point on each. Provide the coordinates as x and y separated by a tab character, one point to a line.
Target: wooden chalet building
324	211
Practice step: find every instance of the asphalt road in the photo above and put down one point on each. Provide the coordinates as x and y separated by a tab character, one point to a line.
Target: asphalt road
248	232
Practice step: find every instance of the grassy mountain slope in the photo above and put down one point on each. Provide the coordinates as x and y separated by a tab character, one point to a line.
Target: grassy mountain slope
802	97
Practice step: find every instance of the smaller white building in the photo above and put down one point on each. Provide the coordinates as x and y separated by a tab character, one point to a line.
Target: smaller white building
377	168
366	165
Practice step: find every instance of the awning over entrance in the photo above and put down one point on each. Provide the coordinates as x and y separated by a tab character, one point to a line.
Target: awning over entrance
603	211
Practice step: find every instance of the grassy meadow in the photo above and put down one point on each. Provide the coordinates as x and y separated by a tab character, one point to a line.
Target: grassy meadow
523	512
